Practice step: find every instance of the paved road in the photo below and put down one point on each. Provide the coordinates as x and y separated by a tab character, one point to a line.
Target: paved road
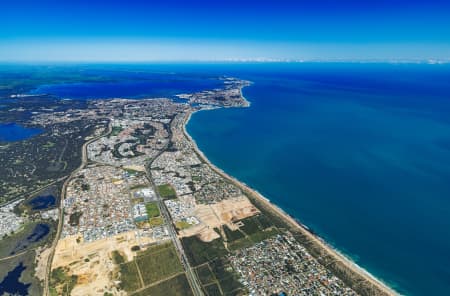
17	255
190	273
84	160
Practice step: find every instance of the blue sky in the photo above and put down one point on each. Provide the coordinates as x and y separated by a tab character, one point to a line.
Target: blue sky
132	30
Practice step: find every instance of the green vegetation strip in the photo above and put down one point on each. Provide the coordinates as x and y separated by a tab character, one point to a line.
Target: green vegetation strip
182	225
205	275
213	290
232	235
177	286
200	252
129	277
152	209
262	235
117	257
257	229
159	264
116	130
217	276
61	283
250	226
132	172
226	277
240	244
167	191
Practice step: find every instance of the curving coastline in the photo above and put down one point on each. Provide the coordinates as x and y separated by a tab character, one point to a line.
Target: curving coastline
361	279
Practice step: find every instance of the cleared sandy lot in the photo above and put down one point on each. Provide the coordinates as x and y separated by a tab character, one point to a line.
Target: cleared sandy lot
225	212
92	262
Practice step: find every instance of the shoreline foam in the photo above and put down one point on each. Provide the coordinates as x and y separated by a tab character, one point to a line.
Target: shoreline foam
320	242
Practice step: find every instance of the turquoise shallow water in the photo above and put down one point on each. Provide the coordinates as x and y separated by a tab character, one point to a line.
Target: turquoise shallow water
360	153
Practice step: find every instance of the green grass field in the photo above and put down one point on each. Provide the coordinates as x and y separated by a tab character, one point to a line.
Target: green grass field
252	239
166	191
200	252
129	277
251	225
116	130
158	264
156	221
153	249
132	172
213	290
226	277
204	274
240	244
61	283
262	235
264	221
152	209
232	235
182	225
177	286
256	229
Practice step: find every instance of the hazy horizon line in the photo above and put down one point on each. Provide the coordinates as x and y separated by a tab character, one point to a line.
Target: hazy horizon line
229	61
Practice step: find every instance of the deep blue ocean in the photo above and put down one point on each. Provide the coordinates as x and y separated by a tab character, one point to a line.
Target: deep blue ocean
360	153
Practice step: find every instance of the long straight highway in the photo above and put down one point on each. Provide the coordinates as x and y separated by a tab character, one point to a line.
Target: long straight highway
190	273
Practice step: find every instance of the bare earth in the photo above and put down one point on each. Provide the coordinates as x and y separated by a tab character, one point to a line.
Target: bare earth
41	262
213	216
92	261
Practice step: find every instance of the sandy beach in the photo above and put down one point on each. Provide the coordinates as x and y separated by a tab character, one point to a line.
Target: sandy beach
375	286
